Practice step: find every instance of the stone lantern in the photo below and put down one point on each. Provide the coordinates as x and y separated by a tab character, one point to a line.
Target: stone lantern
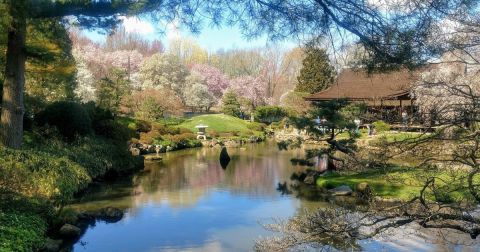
201	134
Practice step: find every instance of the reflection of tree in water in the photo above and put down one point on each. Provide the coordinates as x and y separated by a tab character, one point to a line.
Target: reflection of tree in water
254	171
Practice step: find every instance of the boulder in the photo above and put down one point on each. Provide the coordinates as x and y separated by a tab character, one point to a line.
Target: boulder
253	139
153	157
69	231
224	158
309	179
135	151
52	245
231	143
109	214
363	191
343	190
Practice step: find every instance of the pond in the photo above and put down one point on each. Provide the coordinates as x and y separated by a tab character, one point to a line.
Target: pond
187	202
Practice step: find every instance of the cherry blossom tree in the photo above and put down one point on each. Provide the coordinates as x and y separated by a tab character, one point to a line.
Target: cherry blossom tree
251	88
163	71
85	89
216	81
197	94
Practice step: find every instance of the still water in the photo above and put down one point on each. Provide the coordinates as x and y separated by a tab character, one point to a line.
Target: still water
187	202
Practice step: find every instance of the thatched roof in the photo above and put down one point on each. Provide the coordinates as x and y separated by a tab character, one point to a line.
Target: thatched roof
359	86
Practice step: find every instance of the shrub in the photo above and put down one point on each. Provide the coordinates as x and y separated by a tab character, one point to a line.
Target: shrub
69	118
269	114
184	130
213	133
143	126
381	126
21	231
96	113
230	104
40	174
164	129
113	130
149	137
180	137
256	126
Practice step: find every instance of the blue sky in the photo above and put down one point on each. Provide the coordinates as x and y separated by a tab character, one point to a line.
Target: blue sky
210	38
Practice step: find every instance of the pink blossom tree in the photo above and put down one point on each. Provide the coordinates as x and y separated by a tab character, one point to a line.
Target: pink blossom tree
216	81
251	88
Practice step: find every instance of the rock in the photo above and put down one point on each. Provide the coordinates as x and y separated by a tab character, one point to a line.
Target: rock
153	158
52	245
69	231
231	143
151	149
169	148
110	214
309	179
363	191
158	148
213	142
135	151
224	158
253	139
343	190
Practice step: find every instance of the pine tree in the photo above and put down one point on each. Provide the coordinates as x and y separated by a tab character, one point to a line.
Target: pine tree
230	104
317	73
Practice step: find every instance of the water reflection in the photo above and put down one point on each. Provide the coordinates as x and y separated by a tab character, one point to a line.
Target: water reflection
187	202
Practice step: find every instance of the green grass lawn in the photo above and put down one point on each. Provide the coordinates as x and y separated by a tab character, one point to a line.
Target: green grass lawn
395	183
222	124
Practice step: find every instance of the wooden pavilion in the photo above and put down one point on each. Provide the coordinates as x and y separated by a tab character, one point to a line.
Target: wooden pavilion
387	95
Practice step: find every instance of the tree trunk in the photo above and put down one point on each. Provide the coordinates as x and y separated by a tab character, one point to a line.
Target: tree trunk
11	127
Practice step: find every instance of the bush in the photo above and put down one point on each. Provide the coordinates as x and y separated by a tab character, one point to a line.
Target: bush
269	114
213	133
381	126
40	174
69	118
113	130
149	137
164	129
143	126
180	137
21	231
256	126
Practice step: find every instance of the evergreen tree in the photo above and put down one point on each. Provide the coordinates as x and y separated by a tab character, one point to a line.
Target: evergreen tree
230	104
317	73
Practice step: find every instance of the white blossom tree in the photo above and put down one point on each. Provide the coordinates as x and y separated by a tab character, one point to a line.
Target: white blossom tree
163	71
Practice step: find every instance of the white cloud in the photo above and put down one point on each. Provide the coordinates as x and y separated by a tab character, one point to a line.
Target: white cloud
135	25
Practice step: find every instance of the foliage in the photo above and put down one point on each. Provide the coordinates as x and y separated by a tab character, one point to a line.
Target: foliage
252	89
215	80
230	104
112	129
198	95
317	74
121	40
110	90
51	69
354	111
164	71
269	114
21	230
152	103
295	103
40	174
187	51
97	156
381	126
69	118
